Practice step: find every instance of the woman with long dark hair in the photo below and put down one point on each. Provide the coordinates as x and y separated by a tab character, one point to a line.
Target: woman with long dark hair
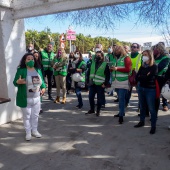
31	86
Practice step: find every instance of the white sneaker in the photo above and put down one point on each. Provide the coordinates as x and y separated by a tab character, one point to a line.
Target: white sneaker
28	137
169	127
36	134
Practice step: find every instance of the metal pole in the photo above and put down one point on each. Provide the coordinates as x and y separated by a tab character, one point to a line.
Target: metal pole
70	46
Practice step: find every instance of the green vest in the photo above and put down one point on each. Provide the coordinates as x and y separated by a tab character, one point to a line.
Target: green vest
98	75
63	71
46	61
79	67
120	76
157	61
136	62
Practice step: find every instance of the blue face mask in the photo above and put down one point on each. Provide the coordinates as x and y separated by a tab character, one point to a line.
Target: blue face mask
110	50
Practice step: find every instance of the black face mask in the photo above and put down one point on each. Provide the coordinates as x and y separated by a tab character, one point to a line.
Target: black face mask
98	58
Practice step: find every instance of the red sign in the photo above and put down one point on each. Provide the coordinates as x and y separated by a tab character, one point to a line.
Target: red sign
71	37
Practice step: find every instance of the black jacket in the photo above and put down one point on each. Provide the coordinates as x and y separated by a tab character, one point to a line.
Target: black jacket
146	76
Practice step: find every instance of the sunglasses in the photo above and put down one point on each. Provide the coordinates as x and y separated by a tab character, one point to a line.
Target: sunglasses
134	47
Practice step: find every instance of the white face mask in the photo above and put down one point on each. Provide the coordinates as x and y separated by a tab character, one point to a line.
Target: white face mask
110	50
76	56
30	48
98	49
145	58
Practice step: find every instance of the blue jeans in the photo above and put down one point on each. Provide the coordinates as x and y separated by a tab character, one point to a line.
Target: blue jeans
122	96
79	97
147	98
164	102
100	96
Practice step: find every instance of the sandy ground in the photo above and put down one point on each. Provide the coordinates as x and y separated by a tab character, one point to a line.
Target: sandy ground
74	141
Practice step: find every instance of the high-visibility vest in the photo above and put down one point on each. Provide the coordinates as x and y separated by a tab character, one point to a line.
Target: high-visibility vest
120	76
46	61
79	67
98	75
63	71
157	61
136	62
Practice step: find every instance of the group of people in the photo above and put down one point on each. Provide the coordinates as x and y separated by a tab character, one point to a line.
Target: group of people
151	67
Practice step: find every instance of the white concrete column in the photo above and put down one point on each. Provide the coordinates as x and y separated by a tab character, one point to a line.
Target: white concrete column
12	48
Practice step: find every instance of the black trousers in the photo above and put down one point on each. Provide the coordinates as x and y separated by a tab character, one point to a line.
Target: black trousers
49	75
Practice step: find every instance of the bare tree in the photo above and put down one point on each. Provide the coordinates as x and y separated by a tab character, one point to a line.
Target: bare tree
152	12
103	17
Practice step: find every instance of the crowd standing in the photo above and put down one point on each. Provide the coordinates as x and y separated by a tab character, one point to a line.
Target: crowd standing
36	71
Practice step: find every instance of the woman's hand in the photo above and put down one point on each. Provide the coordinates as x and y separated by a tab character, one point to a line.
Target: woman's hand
103	86
79	70
42	91
21	81
113	68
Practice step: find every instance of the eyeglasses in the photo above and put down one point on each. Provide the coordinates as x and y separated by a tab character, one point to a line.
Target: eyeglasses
134	47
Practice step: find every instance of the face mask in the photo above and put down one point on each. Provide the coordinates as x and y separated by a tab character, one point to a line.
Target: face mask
30	48
145	59
30	63
98	58
109	50
76	56
98	49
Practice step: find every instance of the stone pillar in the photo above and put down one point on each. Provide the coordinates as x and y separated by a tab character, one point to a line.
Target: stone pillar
12	48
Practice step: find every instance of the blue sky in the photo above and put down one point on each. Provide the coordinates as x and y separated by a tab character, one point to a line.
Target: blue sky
125	31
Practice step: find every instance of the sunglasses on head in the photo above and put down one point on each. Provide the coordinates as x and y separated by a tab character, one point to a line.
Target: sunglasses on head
134	47
99	52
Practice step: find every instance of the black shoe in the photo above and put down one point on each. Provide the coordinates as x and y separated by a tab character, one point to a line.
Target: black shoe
98	113
139	115
80	106
140	124
41	111
117	100
120	119
153	130
77	106
116	115
90	112
50	98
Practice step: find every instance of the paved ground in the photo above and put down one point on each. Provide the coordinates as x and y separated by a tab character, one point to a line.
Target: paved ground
73	141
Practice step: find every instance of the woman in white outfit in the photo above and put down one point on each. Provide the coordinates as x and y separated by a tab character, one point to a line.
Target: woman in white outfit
30	84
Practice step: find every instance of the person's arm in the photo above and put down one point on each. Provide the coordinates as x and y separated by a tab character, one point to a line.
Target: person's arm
138	74
128	65
152	73
88	73
107	75
163	64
